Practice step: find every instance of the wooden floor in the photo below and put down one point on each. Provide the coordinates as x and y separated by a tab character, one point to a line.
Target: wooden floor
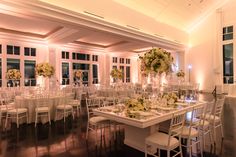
65	140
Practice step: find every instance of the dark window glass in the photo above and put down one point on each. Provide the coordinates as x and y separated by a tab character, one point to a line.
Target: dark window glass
73	55
81	56
127	61
114	67
227	36
0	49
114	59
228	33
95	57
230	29
65	74
33	51
27	51
16	50
127	74
80	66
30	73
228	63
122	60
67	55
9	49
63	54
95	74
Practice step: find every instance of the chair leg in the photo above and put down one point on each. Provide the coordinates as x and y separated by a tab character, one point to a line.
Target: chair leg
6	121
146	150
49	118
17	120
36	120
87	131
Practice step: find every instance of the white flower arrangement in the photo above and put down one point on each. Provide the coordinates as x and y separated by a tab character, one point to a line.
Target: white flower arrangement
78	74
170	98
116	73
180	74
156	61
13	74
133	105
44	69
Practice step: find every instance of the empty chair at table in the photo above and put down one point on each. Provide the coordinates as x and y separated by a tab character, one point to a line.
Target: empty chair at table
15	112
64	109
168	142
42	109
95	122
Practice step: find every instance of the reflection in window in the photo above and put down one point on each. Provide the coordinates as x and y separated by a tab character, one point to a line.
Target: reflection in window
122	68
13	64
95	74
65	74
30	79
127	74
228	63
85	69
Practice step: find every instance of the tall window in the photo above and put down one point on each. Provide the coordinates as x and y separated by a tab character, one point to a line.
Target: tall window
228	71
127	74
13	50
0	72
228	63
85	70
30	51
30	79
95	74
0	49
13	64
65	74
122	68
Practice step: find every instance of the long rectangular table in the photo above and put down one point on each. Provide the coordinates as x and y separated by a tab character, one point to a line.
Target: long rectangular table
136	130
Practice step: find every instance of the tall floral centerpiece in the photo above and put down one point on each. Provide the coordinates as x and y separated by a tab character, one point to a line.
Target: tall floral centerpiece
43	71
14	75
180	74
116	74
156	62
78	74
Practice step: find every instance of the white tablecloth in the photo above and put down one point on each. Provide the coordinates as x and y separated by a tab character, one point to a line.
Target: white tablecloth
30	104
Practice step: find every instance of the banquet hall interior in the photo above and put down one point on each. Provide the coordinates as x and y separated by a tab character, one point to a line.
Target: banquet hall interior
117	78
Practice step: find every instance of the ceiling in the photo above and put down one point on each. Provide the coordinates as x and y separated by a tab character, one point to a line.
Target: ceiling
181	14
134	14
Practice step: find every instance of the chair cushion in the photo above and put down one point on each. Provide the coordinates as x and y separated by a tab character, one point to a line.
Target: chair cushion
160	140
64	107
42	109
185	133
98	119
19	110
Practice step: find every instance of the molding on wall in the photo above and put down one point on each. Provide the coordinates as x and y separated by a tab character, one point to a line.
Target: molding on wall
73	19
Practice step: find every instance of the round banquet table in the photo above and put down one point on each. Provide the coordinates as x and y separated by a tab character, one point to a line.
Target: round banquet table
30	104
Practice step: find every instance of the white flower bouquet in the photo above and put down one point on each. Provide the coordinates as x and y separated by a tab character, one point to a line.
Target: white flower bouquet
116	73
134	105
78	74
44	69
170	98
13	74
180	74
156	61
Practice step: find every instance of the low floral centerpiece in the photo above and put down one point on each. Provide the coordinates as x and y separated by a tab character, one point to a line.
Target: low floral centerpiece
116	73
13	74
170	99
156	61
44	69
180	74
135	105
78	74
